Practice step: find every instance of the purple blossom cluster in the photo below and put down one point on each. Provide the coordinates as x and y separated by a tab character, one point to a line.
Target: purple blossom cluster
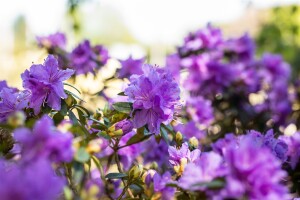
155	96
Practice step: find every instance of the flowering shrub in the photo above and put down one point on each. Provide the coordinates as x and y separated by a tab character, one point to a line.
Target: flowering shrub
216	133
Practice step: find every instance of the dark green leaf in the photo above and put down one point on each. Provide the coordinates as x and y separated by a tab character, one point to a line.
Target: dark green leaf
116	176
72	117
124	107
215	184
74	95
122	94
64	108
164	135
57	118
104	135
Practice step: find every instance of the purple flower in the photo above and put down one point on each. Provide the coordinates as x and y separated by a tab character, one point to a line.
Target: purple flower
44	141
176	155
12	101
131	66
200	110
125	125
155	95
190	129
249	165
293	143
155	152
208	167
240	49
3	84
160	186
46	84
173	65
56	40
29	181
206	38
85	58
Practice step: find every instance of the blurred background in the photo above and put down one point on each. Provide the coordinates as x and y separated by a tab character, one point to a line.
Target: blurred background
150	28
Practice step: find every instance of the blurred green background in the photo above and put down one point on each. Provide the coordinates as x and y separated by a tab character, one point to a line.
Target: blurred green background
141	27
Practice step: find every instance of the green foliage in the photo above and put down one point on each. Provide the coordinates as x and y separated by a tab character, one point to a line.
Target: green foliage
281	34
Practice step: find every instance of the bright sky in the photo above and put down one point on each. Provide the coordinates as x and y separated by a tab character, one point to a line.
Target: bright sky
148	20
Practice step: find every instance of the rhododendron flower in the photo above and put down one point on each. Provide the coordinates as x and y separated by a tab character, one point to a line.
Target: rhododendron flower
155	95
52	41
45	82
12	101
44	141
131	66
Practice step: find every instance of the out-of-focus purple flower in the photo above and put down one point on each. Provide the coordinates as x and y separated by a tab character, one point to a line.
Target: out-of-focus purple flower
206	38
176	155
155	95
275	67
240	49
56	40
131	66
222	145
200	110
155	152
208	167
249	165
190	129
208	77
85	58
11	101
293	143
46	84
173	65
29	181
160	186
100	54
44	141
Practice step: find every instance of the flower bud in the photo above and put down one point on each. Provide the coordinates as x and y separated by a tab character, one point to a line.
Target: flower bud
178	138
121	128
135	172
193	142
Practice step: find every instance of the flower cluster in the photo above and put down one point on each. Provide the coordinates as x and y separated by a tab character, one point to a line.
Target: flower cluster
217	132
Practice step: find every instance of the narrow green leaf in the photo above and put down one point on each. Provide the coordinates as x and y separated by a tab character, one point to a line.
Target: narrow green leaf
138	137
164	135
122	94
116	176
72	117
57	118
124	107
72	87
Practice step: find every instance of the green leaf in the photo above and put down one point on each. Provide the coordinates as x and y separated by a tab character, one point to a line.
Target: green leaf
64	108
215	184
124	107
57	118
104	135
74	95
164	135
138	137
81	155
72	87
72	117
116	176
122	94
82	118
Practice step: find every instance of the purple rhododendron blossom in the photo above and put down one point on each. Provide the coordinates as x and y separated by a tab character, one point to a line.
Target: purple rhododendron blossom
45	141
200	110
176	155
131	66
45	82
293	143
254	172
3	84
208	167
29	181
155	96
12	101
160	186
56	40
86	58
190	130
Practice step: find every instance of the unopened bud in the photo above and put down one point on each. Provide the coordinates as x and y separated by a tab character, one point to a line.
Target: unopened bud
16	119
121	128
193	142
135	172
178	138
154	165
